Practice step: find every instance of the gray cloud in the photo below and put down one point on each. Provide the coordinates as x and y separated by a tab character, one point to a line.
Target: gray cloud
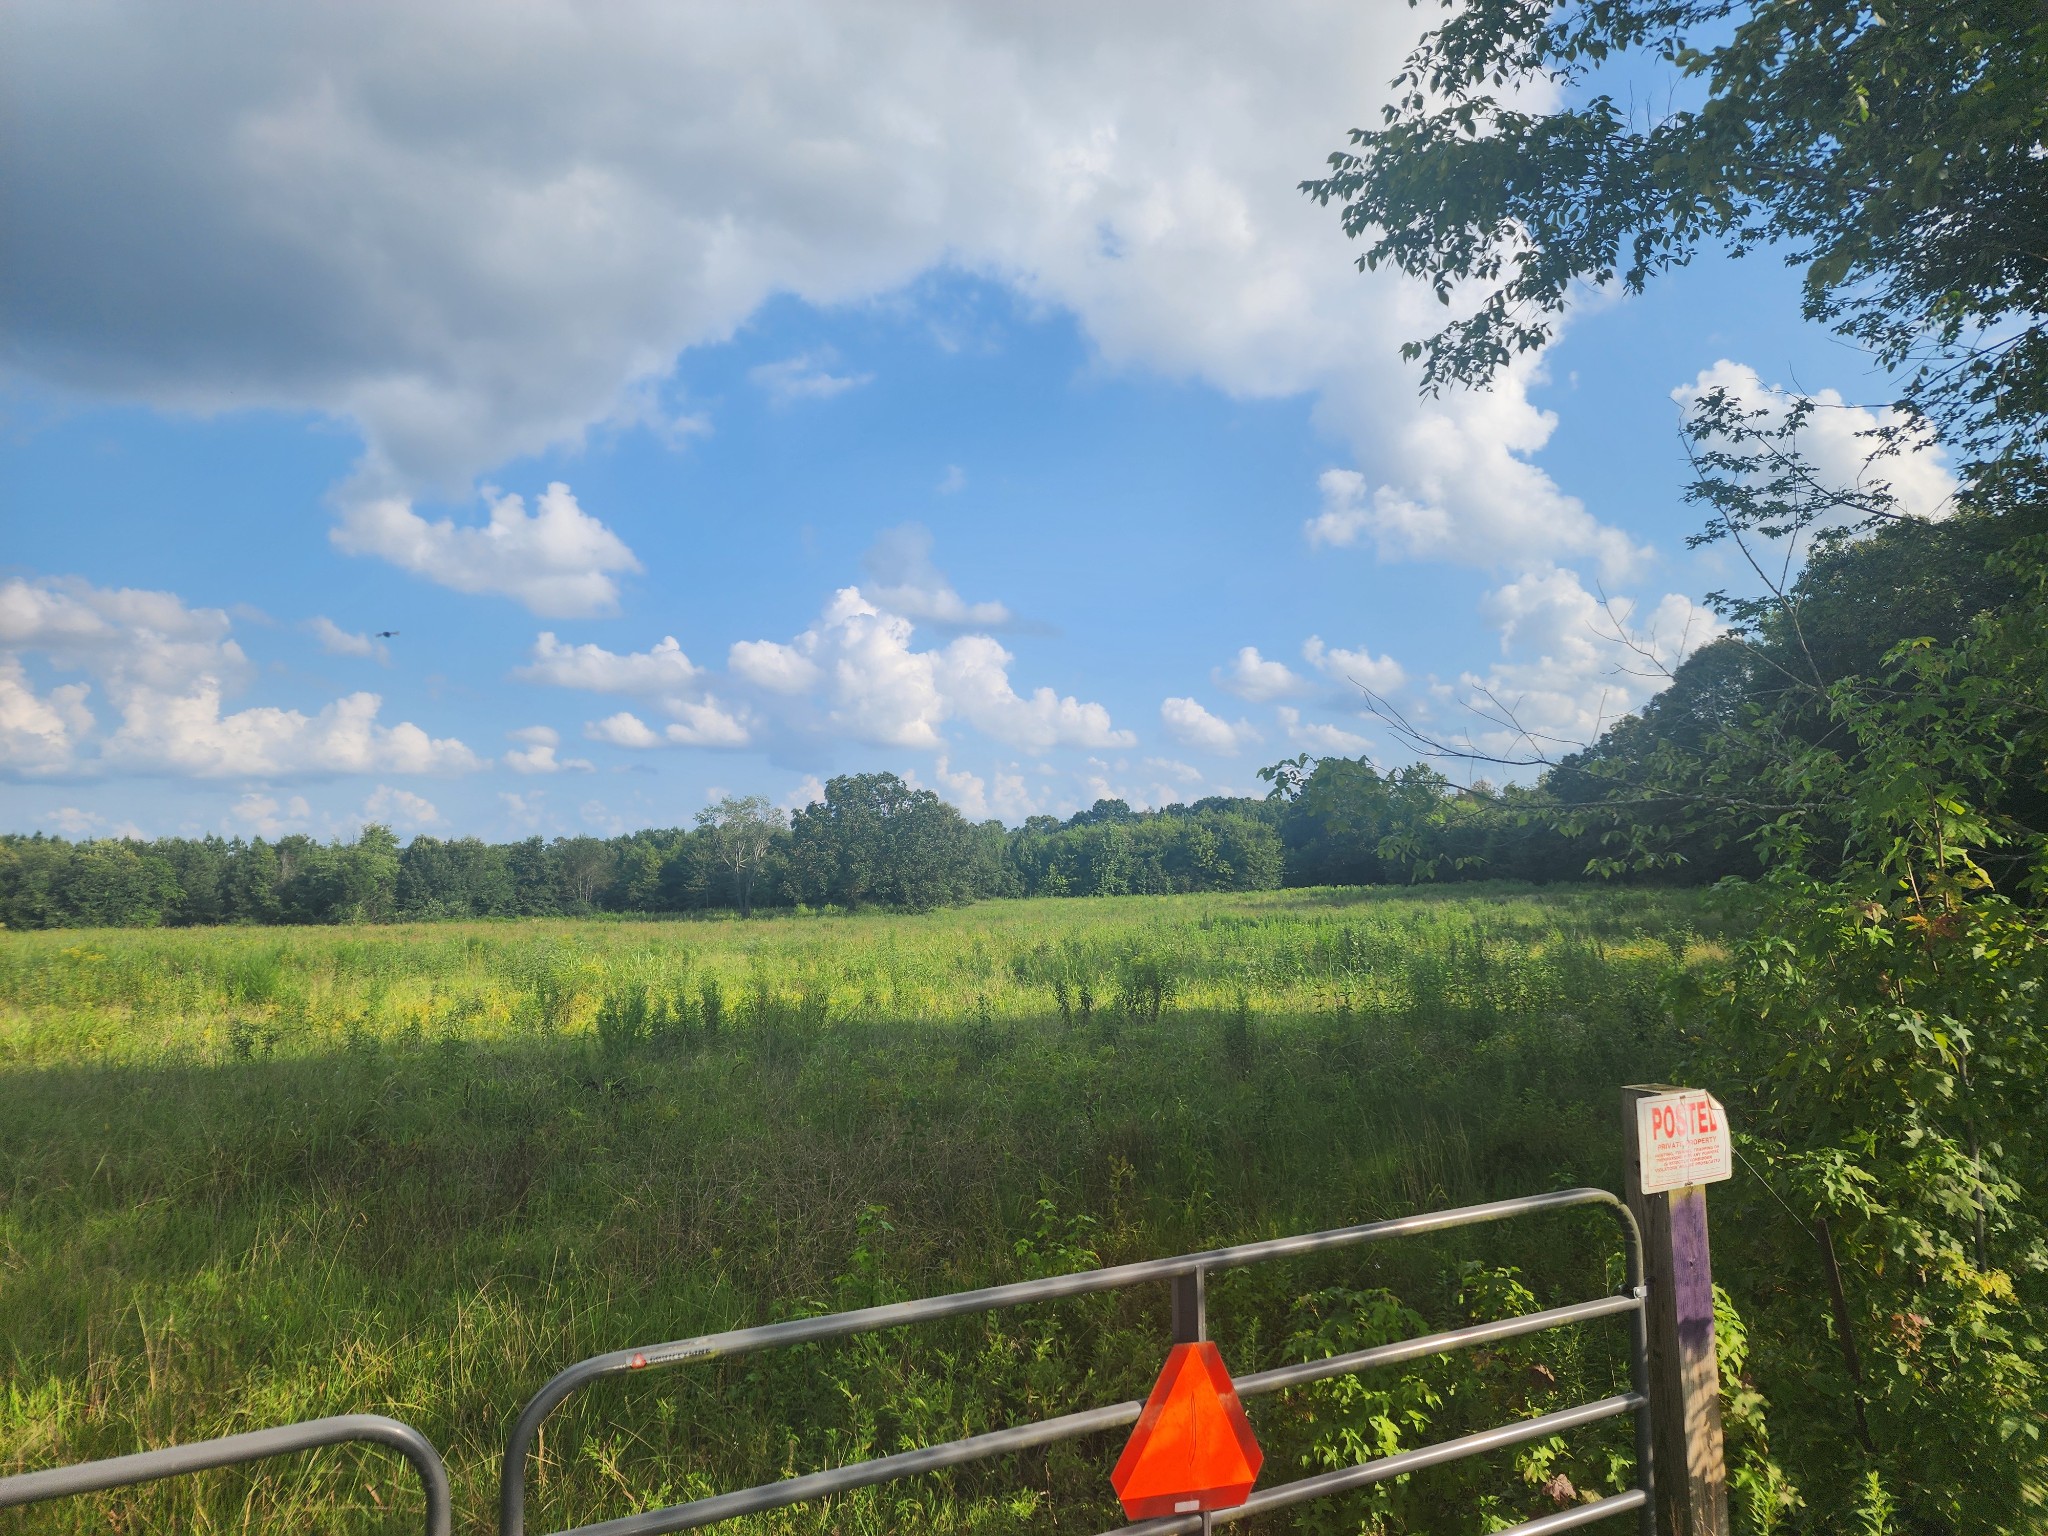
476	232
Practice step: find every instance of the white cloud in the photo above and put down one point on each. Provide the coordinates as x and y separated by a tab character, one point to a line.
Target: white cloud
875	686
1349	515
129	637
40	733
336	641
906	582
557	560
968	791
703	724
1572	664
399	809
1353	669
1252	677
974	676
523	811
878	689
806	376
661	669
72	822
1550	614
856	673
1193	726
1838	438
187	734
1327	739
475	254
771	665
536	752
952	482
810	790
262	815
599	816
1468	498
1011	800
1187	773
1152	783
625	729
166	670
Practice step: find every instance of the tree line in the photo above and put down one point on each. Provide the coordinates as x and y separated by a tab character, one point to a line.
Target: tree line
872	841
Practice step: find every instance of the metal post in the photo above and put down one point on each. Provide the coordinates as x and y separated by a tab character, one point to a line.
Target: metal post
1684	1373
1190	1308
1191	1326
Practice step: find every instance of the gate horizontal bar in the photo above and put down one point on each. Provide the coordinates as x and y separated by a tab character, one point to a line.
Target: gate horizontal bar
1000	1442
1382	1468
232	1450
1584	1514
1438	1343
512	1483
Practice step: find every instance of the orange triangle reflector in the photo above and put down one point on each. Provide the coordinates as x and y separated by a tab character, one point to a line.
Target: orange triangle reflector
1193	1448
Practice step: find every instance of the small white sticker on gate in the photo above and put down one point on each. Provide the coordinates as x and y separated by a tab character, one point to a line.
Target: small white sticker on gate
1683	1138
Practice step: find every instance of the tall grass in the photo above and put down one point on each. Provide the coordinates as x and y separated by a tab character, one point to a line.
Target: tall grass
247	1176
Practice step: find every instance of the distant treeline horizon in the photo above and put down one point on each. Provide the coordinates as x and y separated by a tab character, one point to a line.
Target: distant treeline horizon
872	841
1664	795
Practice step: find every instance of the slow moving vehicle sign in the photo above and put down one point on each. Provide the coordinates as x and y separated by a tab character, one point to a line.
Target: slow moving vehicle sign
1193	1449
1683	1138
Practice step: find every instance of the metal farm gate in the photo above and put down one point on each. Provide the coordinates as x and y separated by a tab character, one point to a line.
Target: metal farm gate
1184	1274
235	1450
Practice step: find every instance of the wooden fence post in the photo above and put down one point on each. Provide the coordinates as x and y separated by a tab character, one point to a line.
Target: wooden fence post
1685	1376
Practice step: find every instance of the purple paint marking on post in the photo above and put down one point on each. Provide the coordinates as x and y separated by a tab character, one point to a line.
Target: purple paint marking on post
1693	1273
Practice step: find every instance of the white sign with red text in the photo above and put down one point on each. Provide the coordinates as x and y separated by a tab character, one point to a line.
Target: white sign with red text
1684	1140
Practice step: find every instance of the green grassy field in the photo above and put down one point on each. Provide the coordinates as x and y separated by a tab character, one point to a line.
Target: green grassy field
254	1175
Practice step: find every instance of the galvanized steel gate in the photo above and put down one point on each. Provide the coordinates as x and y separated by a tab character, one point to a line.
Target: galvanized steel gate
235	1450
1186	1276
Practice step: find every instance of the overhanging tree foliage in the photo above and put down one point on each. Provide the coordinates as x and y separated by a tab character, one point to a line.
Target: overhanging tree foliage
1894	150
1879	737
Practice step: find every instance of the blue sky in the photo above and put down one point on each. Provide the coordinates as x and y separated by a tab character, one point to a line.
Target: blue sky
974	399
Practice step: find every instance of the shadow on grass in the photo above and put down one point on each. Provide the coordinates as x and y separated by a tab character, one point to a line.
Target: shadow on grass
431	1229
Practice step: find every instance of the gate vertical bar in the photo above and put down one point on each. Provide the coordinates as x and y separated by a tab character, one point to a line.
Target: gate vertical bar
1639	1381
1691	1495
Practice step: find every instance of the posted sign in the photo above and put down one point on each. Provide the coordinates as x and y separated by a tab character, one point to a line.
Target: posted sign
1683	1138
